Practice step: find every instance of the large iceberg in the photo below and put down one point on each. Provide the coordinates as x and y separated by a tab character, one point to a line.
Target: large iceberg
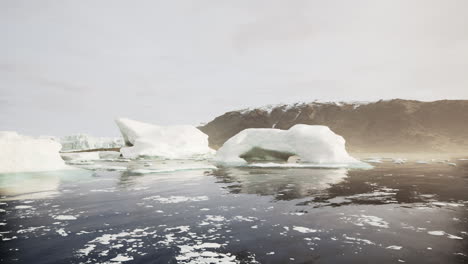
171	142
85	142
311	144
27	154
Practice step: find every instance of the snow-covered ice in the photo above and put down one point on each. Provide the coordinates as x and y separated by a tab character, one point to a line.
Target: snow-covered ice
20	153
172	142
84	142
312	144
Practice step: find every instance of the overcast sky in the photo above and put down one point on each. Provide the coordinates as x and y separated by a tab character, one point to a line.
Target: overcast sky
74	66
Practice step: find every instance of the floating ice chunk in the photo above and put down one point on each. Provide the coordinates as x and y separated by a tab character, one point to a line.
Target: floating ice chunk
302	229
80	156
399	161
121	258
361	220
87	250
436	233
64	217
23	207
453	236
358	240
27	154
394	247
172	142
62	232
176	199
312	144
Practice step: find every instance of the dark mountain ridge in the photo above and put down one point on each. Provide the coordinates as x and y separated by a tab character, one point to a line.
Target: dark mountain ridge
384	126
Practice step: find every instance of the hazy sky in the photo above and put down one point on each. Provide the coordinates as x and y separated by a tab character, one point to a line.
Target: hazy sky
74	66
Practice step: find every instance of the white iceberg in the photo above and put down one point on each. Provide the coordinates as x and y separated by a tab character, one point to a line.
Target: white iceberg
171	142
27	154
85	142
312	144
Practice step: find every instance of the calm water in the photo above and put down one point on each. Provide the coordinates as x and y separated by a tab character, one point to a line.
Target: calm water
123	212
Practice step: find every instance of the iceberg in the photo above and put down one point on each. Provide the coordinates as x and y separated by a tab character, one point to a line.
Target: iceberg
310	143
170	142
86	142
20	153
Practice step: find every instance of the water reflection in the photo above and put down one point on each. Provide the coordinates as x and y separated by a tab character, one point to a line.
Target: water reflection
407	185
283	184
37	185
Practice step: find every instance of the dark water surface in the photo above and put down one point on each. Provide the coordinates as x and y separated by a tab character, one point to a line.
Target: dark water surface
413	213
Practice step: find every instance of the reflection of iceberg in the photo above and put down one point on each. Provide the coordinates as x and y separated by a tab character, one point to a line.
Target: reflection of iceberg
287	184
26	154
37	185
312	144
172	142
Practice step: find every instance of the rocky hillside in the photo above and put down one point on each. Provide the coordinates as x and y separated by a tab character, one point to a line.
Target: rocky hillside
383	126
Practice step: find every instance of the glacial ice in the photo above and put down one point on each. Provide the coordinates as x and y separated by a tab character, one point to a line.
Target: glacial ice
80	156
171	142
312	144
20	153
85	142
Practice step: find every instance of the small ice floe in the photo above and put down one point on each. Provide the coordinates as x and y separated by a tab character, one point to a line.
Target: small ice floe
64	217
244	219
176	199
441	233
121	258
447	204
358	240
215	218
399	161
181	229
298	213
304	230
361	220
452	164
103	190
30	229
454	237
422	162
436	233
23	207
61	232
394	247
85	251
